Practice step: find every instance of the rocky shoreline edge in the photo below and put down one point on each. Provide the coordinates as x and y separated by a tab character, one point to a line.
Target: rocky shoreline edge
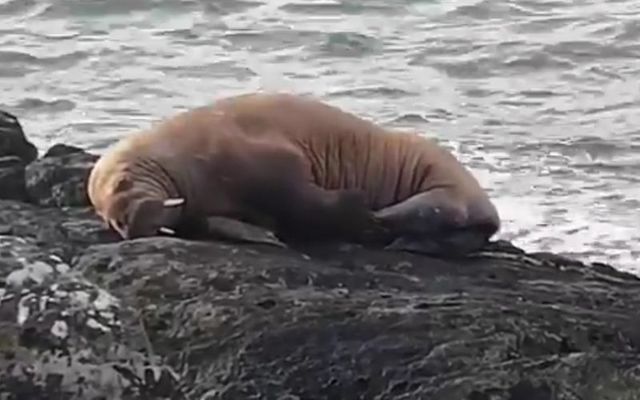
84	315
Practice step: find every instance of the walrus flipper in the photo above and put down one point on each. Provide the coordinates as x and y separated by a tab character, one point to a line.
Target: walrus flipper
436	223
235	230
453	244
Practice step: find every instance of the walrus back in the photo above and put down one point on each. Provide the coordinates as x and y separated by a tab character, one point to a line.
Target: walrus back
342	150
345	151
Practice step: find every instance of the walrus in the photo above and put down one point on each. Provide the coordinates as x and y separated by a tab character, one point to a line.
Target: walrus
296	167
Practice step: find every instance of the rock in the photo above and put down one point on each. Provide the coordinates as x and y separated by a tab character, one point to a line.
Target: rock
61	336
61	149
259	322
12	178
60	231
13	141
219	320
59	178
84	315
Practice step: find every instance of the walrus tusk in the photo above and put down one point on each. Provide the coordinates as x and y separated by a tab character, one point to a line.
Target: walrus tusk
173	202
166	230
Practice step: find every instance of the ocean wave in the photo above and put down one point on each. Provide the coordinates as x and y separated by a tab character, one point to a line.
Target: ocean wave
64	60
46	106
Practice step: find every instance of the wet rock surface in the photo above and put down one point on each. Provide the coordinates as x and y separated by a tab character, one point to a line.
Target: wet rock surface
84	315
59	177
13	141
12	178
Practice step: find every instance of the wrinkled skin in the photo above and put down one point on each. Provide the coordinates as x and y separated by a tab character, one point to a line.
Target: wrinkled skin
130	198
297	167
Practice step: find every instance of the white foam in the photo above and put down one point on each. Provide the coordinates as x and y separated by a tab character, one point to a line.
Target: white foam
548	205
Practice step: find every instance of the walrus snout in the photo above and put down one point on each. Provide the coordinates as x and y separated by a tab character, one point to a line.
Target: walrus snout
151	217
133	214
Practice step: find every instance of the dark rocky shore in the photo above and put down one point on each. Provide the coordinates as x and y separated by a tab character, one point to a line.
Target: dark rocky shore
86	316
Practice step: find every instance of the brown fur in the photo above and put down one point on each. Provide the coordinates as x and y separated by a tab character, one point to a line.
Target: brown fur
283	161
344	151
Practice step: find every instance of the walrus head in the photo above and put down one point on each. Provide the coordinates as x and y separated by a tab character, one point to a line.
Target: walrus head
133	205
135	214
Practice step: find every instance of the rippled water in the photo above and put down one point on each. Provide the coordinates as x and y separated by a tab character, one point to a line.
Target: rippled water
540	98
